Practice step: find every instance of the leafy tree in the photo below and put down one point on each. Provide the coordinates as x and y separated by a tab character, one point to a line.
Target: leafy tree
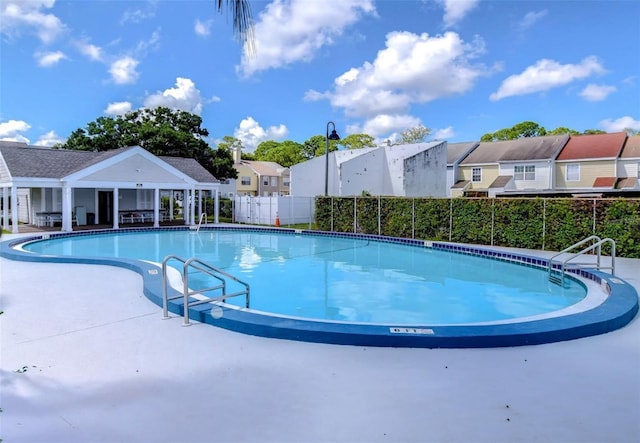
314	147
230	143
414	135
523	129
563	130
286	153
358	141
161	131
594	131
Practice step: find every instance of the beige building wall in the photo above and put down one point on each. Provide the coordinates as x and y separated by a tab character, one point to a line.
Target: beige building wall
245	171
589	171
489	174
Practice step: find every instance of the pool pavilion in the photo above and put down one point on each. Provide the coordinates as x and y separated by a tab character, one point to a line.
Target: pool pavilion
55	187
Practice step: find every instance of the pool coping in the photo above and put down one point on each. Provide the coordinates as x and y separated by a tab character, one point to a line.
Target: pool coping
617	310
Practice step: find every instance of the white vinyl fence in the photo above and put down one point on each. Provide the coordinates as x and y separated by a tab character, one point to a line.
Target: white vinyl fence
264	210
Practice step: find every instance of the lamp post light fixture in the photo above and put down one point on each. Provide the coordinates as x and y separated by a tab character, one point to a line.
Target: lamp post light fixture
333	136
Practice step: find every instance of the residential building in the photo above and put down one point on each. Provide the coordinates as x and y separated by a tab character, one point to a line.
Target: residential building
259	178
629	165
524	165
589	163
456	152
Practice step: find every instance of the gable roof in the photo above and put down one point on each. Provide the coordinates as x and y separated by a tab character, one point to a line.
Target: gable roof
521	149
631	147
457	151
264	168
593	146
190	167
27	161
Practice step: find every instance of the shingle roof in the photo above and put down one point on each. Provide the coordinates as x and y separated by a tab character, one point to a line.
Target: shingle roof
265	168
501	181
627	182
190	167
605	182
522	149
631	147
593	146
457	150
42	162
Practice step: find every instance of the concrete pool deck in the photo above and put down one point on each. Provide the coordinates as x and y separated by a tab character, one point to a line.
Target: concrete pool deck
86	357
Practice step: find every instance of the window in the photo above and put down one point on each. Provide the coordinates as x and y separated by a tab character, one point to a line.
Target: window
246	181
526	172
265	181
285	183
476	175
274	181
573	172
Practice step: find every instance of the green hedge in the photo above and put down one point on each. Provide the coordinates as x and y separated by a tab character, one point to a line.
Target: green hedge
548	224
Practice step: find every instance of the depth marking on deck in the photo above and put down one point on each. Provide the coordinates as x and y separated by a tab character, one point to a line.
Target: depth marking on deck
411	331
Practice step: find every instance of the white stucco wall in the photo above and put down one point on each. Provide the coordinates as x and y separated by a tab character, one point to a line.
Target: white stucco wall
367	172
307	178
425	173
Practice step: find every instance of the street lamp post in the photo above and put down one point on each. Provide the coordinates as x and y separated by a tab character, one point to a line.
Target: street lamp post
333	136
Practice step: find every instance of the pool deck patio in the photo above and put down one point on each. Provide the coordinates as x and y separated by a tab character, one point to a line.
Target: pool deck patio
85	357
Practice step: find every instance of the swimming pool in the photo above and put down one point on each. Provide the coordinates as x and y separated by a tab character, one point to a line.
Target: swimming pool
358	289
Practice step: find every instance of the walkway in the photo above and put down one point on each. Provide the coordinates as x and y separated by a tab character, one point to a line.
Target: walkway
85	357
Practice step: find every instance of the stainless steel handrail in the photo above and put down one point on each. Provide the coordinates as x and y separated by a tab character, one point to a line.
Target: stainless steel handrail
597	246
197	264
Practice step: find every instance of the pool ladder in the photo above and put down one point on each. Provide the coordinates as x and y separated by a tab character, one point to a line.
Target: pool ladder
558	268
188	294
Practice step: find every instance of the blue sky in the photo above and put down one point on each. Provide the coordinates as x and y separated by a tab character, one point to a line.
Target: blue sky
459	67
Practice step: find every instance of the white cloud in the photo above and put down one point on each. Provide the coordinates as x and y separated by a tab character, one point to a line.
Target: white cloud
150	43
89	50
138	15
444	133
620	124
49	139
123	70
596	93
288	31
546	74
47	59
118	108
185	96
385	126
251	134
530	19
11	130
30	16
411	69
201	28
456	10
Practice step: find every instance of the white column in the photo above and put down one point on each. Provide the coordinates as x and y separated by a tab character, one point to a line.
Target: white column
5	208
156	208
171	205
14	209
116	208
200	203
192	206
66	208
216	206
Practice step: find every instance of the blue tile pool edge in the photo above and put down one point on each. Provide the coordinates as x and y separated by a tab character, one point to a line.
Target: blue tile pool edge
619	308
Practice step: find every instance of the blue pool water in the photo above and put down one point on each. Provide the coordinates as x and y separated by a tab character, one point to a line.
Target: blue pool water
345	279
